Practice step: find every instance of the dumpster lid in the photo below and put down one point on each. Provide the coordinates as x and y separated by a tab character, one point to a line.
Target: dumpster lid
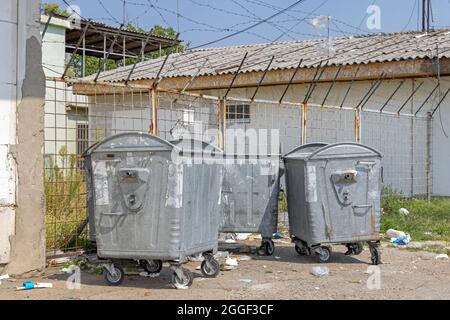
304	150
129	142
320	150
345	149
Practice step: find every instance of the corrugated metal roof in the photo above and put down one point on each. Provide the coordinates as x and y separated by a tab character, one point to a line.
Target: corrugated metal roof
342	51
136	32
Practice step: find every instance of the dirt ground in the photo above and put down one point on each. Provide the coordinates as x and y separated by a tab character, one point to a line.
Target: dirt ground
286	275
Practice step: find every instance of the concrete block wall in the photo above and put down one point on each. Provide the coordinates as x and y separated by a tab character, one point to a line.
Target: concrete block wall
402	139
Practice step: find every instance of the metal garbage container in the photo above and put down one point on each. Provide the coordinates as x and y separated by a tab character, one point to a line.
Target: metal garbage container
148	204
251	186
334	196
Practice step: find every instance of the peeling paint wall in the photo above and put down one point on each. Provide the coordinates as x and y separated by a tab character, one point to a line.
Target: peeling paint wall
22	91
8	91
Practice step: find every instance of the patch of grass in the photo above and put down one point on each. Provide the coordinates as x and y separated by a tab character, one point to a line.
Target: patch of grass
428	220
84	265
282	202
65	197
283	226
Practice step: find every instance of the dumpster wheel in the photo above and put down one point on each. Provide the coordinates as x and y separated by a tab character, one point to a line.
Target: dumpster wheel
267	247
354	249
184	280
115	279
152	266
324	254
376	255
210	268
301	250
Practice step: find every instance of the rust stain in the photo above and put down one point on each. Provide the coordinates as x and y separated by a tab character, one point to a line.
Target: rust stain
372	220
305	122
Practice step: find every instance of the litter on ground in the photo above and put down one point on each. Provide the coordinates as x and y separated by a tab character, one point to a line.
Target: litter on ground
227	263
246	280
31	285
243	258
4	277
398	237
255	237
403	240
69	270
442	257
320	271
59	261
232	262
222	255
149	275
392	233
243	236
403	211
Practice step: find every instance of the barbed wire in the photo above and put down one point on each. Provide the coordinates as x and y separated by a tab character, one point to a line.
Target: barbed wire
108	12
271	6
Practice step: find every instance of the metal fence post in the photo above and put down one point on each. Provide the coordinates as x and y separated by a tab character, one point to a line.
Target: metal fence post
358	131
219	123
224	119
304	113
429	156
154	111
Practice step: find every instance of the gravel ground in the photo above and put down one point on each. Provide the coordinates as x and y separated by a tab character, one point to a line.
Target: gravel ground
404	275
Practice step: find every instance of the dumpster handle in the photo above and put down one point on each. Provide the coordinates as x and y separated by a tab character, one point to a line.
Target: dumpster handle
367	163
113	213
363	206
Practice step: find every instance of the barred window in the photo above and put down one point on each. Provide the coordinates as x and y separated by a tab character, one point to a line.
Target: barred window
238	113
82	143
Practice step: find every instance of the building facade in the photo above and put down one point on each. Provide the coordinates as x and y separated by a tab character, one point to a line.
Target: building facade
386	90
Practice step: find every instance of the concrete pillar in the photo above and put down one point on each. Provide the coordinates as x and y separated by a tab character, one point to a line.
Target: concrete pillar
22	95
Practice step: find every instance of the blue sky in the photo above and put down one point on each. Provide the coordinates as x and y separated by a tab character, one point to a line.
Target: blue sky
203	21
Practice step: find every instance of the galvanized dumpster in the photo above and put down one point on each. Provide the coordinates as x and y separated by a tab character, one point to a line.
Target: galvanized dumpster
150	203
334	196
251	185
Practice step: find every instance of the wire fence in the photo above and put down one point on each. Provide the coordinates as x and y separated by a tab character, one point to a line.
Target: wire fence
74	122
403	142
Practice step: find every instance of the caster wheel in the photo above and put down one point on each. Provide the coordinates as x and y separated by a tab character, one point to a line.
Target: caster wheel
376	256
152	266
301	250
185	281
210	268
114	279
267	248
324	254
354	249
